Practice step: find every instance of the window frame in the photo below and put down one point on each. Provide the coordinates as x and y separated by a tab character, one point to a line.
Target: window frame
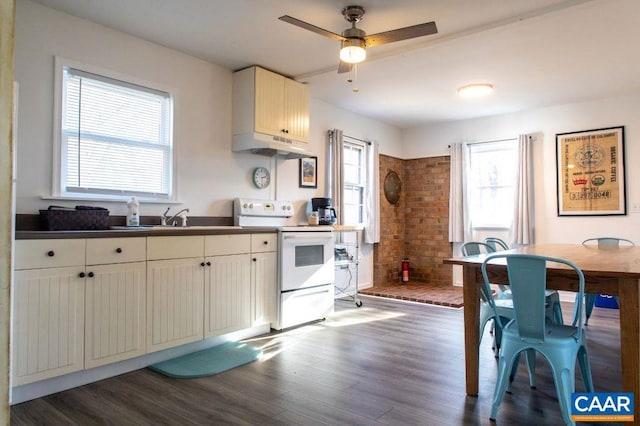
58	190
362	146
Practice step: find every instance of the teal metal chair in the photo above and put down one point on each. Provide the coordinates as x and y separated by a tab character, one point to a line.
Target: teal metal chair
504	305
530	332
503	301
552	296
590	298
496	243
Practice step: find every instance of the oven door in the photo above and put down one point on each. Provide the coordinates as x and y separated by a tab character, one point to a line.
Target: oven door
306	259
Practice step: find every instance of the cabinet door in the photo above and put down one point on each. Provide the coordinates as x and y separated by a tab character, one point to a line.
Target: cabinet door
115	313
48	321
296	110
227	294
174	302
264	287
269	106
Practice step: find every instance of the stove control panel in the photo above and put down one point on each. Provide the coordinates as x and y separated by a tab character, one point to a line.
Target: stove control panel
268	208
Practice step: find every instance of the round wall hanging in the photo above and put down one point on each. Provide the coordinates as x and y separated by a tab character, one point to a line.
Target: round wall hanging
392	187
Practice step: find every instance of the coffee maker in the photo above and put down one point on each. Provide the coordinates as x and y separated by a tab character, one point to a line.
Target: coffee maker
326	213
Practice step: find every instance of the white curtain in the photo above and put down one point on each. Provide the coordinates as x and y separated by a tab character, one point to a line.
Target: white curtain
523	198
372	196
336	179
457	206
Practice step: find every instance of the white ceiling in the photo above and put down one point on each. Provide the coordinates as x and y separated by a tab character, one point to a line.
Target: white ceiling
535	53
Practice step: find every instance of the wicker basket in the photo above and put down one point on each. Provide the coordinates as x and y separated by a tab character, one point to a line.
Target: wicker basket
57	218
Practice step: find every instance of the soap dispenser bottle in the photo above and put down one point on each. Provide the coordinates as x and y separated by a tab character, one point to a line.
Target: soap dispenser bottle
133	218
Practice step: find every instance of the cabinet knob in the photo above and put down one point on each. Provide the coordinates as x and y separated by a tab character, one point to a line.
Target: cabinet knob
202	264
90	274
254	259
50	253
119	250
265	243
208	263
81	274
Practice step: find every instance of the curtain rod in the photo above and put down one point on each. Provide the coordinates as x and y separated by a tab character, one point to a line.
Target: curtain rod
356	139
497	140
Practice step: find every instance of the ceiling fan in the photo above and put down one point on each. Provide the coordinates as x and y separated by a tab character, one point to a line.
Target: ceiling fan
355	41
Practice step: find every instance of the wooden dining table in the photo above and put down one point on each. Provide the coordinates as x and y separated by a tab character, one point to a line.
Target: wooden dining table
608	270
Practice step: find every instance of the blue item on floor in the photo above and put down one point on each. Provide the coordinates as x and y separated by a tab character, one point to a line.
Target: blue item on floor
208	361
606	301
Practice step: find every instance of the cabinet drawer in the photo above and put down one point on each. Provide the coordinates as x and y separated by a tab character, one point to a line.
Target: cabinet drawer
261	243
159	248
220	245
35	254
103	251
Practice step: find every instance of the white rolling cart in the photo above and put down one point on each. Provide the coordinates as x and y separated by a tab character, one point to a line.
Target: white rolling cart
347	258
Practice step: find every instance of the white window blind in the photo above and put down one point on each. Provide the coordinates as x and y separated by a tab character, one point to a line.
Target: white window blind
492	171
116	137
354	182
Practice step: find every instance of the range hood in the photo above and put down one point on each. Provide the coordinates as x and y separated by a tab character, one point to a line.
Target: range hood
271	146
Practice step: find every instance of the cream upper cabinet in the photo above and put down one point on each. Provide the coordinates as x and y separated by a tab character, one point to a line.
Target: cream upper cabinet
269	103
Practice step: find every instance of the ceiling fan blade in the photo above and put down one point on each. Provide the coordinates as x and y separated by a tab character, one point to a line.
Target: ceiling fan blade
405	33
310	27
344	67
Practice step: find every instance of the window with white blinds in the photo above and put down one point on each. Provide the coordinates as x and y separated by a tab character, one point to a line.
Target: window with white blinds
116	138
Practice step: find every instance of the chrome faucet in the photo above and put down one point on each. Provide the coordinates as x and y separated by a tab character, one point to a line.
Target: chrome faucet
171	221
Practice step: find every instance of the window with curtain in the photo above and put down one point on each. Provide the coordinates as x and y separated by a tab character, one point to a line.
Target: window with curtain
492	171
354	167
115	138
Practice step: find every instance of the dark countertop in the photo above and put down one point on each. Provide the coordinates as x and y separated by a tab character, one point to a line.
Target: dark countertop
125	233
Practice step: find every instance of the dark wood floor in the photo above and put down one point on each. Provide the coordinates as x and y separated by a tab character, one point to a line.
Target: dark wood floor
387	363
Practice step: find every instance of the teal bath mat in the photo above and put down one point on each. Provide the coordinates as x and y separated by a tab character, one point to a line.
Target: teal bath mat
209	361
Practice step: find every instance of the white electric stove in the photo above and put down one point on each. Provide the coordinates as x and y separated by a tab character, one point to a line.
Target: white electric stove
306	273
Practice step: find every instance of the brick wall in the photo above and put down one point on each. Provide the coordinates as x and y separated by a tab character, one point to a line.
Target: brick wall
389	252
417	227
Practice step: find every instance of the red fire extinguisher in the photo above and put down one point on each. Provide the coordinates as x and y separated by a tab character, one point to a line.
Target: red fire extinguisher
405	270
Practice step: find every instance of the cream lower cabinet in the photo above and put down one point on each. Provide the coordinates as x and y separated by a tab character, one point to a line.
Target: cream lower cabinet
115	300
264	286
227	305
48	310
84	303
175	291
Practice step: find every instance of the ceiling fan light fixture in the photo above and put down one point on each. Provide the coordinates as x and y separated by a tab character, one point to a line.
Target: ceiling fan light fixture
353	51
475	90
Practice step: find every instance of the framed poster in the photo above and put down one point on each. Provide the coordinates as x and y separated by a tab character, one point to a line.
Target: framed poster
308	172
590	172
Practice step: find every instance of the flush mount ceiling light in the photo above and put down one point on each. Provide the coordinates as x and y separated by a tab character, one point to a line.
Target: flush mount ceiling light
475	90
